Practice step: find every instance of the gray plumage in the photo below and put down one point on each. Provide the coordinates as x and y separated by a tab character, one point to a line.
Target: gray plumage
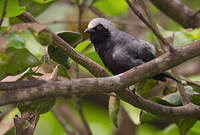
118	50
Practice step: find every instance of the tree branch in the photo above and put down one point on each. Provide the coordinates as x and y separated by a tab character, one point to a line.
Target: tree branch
116	84
66	112
80	110
178	12
67	129
150	24
110	84
90	65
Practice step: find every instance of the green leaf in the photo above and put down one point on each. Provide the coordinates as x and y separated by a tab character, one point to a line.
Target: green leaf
39	105
32	44
171	130
133	112
95	57
18	54
195	129
195	85
15	40
194	34
19	60
13	8
180	38
3	28
111	7
81	46
28	73
175	98
145	86
146	117
195	99
161	101
167	91
43	1
71	38
58	55
33	7
114	105
62	71
185	124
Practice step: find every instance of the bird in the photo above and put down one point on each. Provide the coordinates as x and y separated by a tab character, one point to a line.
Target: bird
119	50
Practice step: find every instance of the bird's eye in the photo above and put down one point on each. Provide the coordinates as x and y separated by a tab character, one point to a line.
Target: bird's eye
99	27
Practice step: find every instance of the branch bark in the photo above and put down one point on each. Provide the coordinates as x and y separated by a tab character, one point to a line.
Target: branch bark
116	84
179	12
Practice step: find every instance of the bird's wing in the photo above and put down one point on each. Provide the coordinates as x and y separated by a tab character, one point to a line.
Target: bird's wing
139	49
146	51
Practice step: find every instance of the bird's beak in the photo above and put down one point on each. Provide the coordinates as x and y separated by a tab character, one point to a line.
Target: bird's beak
89	30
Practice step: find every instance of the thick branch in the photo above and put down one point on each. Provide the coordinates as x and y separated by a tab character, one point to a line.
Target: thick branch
178	12
116	84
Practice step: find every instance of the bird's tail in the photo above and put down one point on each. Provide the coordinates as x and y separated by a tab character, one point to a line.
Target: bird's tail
164	75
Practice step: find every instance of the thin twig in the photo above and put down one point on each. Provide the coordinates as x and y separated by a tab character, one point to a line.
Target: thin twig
150	18
54	74
139	14
181	89
162	42
184	98
4	12
188	81
80	14
68	115
80	11
79	109
67	129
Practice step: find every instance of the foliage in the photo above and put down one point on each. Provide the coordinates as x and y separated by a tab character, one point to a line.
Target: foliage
107	6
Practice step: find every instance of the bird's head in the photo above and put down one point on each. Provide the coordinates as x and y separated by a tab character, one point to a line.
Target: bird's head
100	29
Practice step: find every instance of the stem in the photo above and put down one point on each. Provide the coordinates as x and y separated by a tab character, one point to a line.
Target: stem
3	13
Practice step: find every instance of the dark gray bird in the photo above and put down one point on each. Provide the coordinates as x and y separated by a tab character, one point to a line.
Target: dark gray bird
118	50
